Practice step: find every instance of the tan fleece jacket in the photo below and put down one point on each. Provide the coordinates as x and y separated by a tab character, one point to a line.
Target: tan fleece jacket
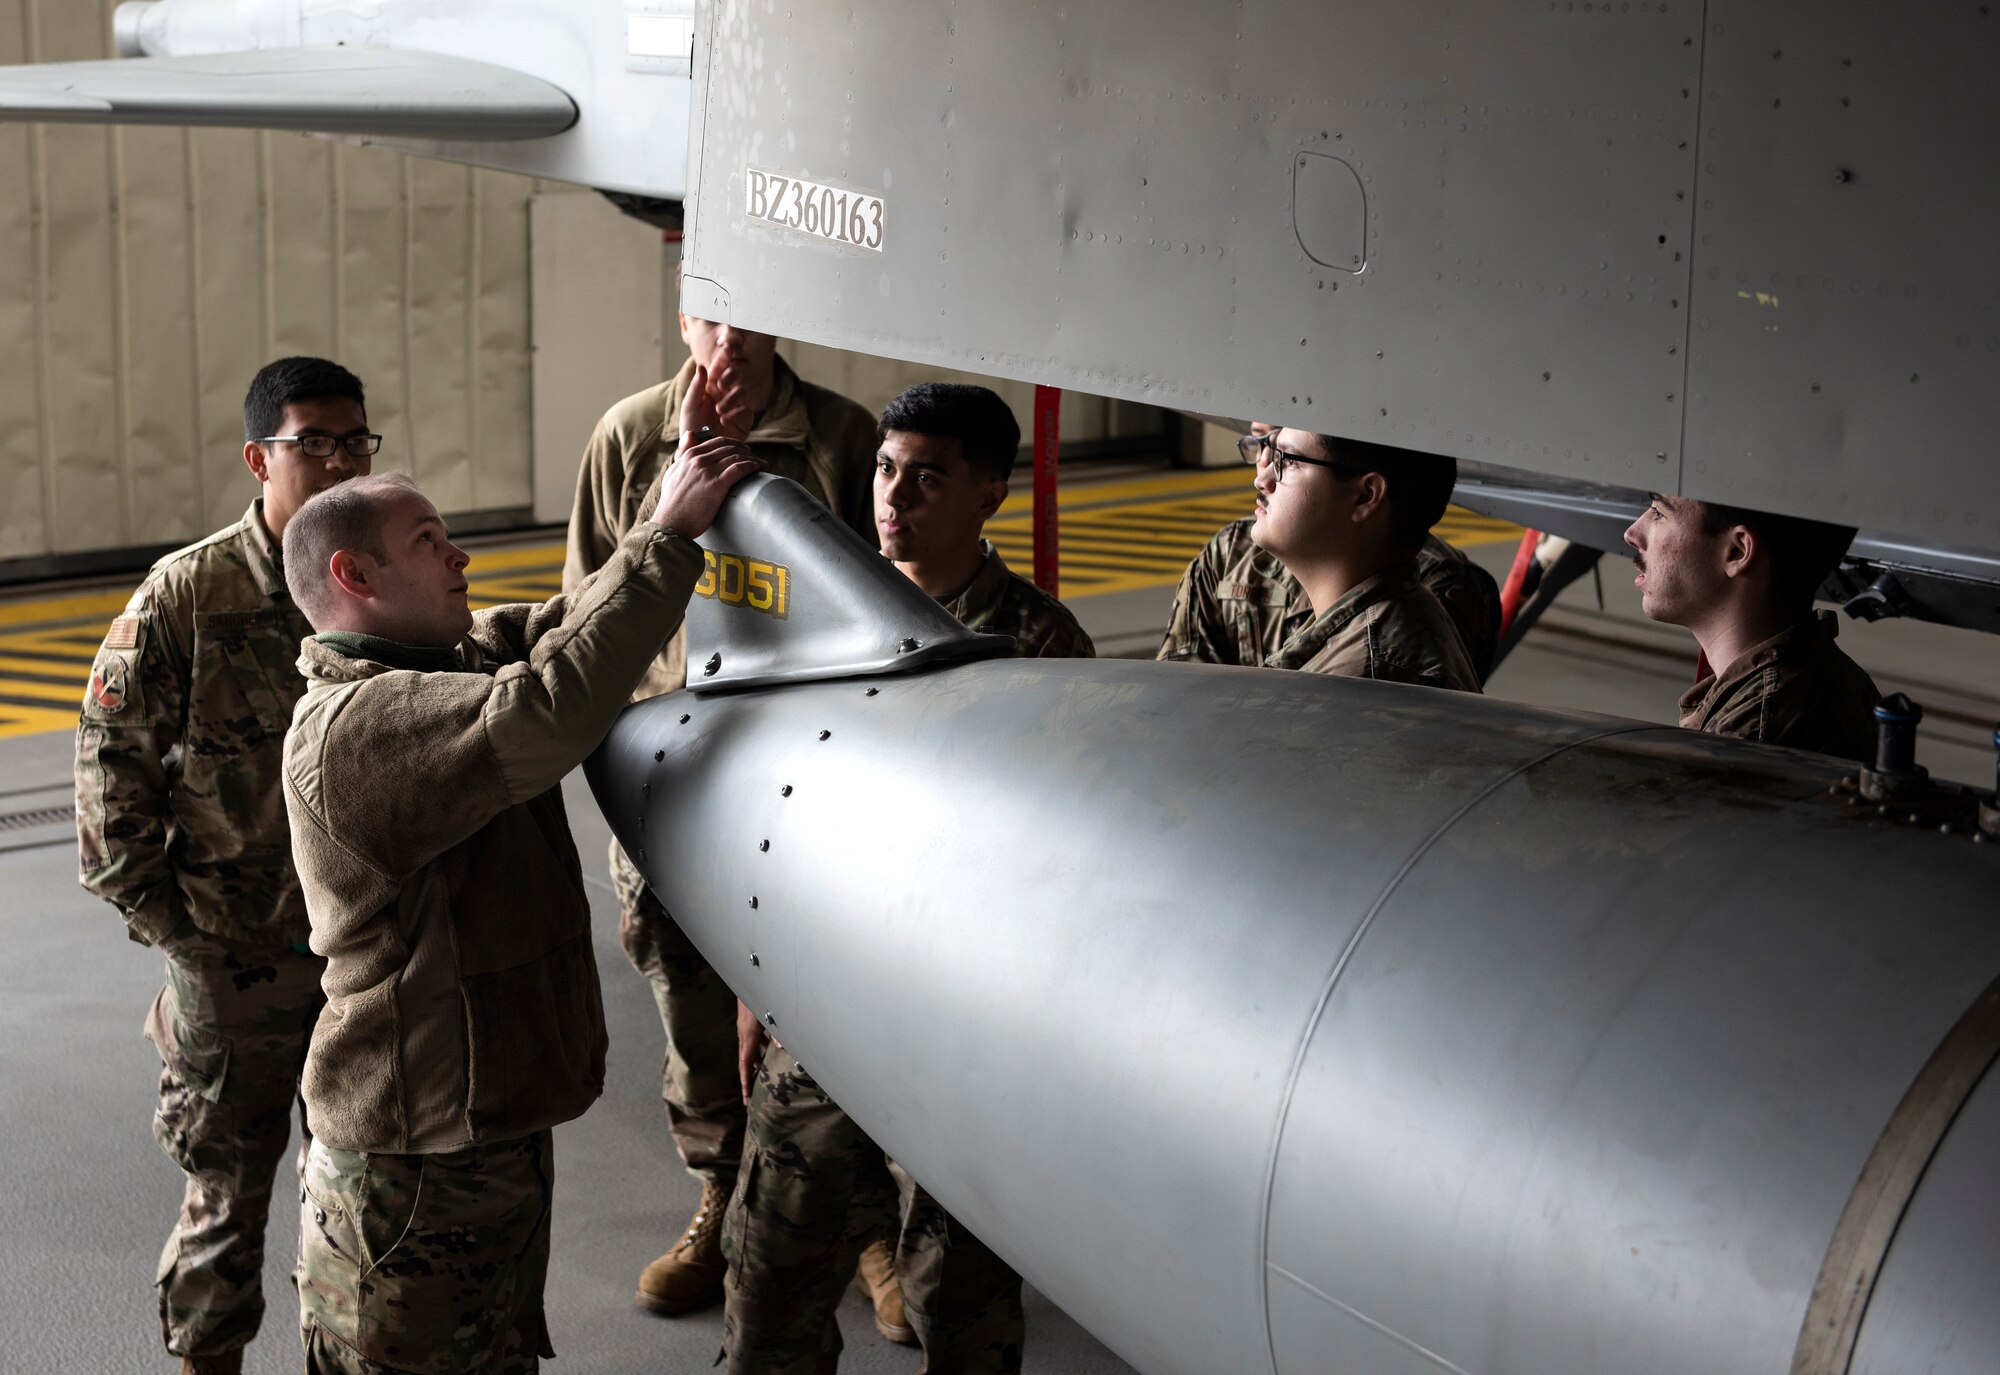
439	874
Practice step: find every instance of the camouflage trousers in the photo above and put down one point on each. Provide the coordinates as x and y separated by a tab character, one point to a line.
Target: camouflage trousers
698	1081
231	1026
426	1264
813	1193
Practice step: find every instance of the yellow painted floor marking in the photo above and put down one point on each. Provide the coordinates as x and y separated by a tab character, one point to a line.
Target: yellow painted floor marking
1115	536
537	556
96	607
16	688
35	720
44	666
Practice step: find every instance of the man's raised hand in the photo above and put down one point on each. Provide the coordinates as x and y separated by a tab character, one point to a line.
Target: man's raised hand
728	392
697	481
698	411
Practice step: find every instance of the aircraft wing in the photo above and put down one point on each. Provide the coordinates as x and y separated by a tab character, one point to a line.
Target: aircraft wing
379	92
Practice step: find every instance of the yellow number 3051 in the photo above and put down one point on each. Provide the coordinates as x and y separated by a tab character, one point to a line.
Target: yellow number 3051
737	581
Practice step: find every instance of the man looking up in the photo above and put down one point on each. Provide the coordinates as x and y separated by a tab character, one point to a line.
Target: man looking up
1743	582
463	1015
822	1188
1237	604
825	443
181	827
1347	520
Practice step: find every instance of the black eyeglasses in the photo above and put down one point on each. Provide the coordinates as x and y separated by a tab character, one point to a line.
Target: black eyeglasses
323	445
1257	448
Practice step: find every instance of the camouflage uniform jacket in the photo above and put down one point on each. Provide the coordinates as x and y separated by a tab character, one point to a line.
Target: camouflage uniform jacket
179	811
427	818
1388	627
999	602
1796	688
817	438
1237	604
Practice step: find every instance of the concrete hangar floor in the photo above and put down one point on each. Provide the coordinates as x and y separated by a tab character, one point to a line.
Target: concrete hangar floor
90	1197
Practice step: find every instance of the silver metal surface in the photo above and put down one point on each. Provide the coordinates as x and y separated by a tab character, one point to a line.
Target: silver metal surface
1549	236
1593	516
762	622
1126	197
1932	1311
1845	341
1430	1033
373	91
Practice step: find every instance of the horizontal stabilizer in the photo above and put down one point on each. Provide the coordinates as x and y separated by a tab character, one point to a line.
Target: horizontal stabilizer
383	92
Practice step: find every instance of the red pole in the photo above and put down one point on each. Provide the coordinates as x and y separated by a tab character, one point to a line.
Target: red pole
1517	577
1048	429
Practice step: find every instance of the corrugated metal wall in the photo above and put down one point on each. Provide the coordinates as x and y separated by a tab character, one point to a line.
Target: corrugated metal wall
145	275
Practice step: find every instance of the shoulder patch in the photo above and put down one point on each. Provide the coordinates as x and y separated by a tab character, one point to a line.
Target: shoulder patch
124	633
110	684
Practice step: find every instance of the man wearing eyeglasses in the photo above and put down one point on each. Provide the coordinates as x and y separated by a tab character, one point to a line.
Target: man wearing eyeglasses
1335	573
181	826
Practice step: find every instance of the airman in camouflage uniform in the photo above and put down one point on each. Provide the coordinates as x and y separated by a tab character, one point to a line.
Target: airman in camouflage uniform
477	1206
826	444
1353	519
1743	582
181	826
999	601
1237	604
815	1190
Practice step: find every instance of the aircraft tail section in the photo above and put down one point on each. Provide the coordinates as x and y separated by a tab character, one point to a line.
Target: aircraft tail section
790	594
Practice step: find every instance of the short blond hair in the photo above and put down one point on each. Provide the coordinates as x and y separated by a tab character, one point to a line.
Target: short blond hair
349	517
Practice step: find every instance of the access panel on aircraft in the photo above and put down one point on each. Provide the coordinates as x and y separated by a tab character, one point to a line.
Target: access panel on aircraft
1563	237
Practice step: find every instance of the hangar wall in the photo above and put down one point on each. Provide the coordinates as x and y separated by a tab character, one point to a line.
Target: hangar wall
145	274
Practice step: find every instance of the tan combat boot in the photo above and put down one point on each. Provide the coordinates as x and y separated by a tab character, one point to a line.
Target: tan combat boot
689	1277
875	1277
228	1363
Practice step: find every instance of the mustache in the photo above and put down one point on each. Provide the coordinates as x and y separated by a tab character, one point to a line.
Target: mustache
1640	560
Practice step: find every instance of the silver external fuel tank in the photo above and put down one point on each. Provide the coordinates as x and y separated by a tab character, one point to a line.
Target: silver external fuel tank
1276	1023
